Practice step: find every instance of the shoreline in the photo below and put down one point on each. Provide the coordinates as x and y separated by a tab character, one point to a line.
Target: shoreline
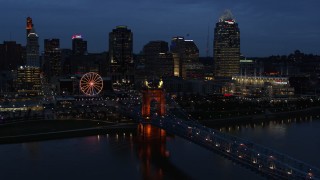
261	117
112	128
67	133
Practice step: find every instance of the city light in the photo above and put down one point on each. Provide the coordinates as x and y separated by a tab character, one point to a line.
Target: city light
77	36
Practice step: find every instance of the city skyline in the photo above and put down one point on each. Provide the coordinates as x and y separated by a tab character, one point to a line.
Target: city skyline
93	89
281	29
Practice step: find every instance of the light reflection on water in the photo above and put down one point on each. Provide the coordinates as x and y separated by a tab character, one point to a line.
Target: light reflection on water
148	155
297	137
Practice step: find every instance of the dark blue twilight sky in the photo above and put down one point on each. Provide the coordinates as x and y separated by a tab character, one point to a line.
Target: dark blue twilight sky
267	26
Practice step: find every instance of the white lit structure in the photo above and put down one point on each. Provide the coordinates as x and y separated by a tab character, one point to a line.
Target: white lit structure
266	86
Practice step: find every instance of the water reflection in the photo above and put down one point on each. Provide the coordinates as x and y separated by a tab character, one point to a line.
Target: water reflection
153	155
32	149
144	154
291	135
277	126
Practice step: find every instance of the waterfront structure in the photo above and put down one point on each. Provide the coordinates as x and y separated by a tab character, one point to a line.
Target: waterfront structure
52	57
153	92
258	158
262	86
158	60
226	47
79	46
185	53
121	65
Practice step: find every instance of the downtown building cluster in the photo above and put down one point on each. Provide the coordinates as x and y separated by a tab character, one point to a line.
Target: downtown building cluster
57	71
26	70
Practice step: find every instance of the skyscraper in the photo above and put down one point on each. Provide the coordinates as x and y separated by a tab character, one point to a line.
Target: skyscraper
121	65
158	60
177	49
79	46
33	49
27	79
192	51
226	46
10	55
52	57
185	54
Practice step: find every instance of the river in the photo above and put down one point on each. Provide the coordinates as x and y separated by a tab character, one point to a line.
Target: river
126	156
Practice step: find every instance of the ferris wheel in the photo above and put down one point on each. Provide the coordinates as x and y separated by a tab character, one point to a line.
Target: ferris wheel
91	84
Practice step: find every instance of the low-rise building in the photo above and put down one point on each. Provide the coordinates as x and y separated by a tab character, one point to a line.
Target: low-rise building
262	86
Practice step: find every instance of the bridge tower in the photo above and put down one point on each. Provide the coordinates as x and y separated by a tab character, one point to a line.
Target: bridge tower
153	92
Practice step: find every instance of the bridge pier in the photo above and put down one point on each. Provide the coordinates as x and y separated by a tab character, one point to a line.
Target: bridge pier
153	93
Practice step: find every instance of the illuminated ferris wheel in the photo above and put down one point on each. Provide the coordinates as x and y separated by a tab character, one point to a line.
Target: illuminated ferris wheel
91	84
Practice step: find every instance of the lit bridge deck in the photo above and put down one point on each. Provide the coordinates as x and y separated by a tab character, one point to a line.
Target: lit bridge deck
263	160
256	157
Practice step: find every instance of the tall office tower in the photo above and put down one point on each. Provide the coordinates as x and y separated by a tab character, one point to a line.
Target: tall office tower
27	79
121	65
226	47
33	49
185	54
158	60
29	26
10	55
52	57
192	51
177	49
192	68
79	46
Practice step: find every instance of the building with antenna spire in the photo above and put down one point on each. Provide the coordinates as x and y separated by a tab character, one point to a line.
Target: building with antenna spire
29	26
226	50
27	79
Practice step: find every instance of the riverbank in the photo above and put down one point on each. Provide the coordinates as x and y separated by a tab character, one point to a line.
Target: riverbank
270	116
56	129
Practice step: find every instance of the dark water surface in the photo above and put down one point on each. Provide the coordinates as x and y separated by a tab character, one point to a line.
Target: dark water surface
129	157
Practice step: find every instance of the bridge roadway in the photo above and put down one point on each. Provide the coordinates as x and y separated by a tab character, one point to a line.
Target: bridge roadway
256	157
261	159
